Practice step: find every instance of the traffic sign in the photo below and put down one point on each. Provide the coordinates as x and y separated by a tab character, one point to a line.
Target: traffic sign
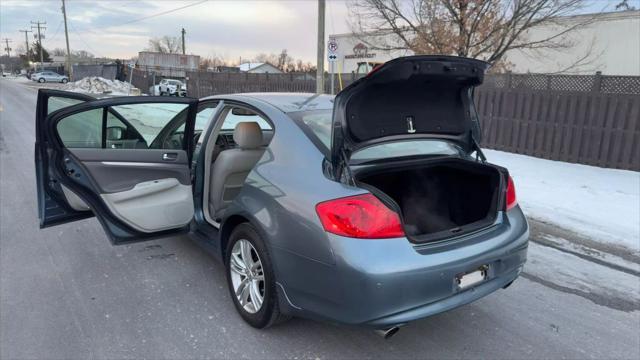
332	46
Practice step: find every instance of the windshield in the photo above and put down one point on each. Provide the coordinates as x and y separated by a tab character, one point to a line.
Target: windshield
319	125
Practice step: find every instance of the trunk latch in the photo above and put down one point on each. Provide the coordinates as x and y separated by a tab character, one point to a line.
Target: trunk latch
410	128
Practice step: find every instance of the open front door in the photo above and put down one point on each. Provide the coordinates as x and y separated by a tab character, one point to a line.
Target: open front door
114	159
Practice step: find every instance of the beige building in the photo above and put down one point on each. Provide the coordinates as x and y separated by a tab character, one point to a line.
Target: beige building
610	44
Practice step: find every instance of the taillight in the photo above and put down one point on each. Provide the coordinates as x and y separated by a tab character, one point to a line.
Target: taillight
510	198
361	216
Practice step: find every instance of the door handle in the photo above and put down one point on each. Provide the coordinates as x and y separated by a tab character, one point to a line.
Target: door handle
170	156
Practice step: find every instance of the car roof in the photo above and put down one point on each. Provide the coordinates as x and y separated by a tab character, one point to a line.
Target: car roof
290	102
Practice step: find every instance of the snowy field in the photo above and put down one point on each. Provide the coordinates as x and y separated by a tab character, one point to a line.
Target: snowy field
598	203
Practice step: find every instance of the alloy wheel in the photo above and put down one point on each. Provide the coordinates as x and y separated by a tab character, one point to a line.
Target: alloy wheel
247	276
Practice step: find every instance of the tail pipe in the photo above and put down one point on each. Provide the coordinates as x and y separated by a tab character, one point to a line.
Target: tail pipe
388	332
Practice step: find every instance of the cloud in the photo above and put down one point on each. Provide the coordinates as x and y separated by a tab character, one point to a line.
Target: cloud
122	28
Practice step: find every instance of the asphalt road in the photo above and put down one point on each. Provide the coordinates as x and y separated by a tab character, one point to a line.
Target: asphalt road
65	292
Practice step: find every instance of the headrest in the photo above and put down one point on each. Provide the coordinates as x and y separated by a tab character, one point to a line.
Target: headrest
248	135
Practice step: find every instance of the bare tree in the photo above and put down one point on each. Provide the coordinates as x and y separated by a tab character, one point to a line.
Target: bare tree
624	6
82	54
481	29
58	52
166	45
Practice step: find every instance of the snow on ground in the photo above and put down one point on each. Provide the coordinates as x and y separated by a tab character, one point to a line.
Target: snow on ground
17	78
598	203
98	85
569	271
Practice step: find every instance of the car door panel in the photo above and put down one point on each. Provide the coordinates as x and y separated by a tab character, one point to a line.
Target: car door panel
117	170
137	194
154	205
146	191
74	200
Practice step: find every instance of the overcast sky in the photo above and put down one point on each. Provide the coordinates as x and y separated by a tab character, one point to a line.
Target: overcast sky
122	28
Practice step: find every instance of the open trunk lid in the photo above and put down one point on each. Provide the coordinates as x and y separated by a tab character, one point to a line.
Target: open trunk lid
415	97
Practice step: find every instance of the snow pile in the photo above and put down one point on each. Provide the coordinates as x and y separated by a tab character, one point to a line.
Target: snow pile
98	85
602	204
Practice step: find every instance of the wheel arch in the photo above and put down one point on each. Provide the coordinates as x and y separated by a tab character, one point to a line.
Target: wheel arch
227	228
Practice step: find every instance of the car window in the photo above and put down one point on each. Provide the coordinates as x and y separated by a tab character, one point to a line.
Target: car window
232	119
319	122
57	103
149	119
319	125
205	112
126	126
406	148
82	130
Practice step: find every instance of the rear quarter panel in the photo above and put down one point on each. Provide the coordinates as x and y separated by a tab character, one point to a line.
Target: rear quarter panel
282	190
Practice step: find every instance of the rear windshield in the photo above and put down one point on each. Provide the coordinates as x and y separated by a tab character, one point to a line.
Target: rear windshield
318	124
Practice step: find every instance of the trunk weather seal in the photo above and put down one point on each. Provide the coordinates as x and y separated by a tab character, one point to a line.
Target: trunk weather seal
489	222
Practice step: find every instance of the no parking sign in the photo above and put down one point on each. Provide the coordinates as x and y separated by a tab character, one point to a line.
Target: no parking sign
332	46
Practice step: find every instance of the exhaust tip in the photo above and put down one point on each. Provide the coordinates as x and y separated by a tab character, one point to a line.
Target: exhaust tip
387	333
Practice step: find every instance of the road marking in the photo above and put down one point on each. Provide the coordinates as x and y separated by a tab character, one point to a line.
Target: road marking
1	108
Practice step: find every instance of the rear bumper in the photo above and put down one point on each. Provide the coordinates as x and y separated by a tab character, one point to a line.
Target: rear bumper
382	283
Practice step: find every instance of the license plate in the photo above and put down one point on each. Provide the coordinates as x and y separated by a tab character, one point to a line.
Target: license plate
472	278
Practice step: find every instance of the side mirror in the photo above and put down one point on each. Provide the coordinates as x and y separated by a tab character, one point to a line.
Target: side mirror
115	133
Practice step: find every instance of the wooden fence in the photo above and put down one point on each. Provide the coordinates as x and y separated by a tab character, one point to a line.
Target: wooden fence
587	119
201	84
587	128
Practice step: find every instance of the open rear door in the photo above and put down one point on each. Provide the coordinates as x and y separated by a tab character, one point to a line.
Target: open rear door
114	159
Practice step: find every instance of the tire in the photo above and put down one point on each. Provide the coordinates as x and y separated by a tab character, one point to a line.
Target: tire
41	80
64	81
268	313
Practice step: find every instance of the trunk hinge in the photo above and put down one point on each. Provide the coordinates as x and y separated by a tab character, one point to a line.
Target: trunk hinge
479	154
346	170
476	119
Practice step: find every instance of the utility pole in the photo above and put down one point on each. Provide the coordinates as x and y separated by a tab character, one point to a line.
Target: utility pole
7	48
26	42
320	63
66	35
183	49
39	26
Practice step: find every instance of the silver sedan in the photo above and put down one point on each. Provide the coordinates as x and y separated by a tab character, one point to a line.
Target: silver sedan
49	76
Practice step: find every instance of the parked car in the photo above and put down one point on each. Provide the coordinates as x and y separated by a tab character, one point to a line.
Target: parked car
49	76
374	208
172	87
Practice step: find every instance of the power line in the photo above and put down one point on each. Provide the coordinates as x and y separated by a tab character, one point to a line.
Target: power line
148	17
77	33
162	13
56	32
